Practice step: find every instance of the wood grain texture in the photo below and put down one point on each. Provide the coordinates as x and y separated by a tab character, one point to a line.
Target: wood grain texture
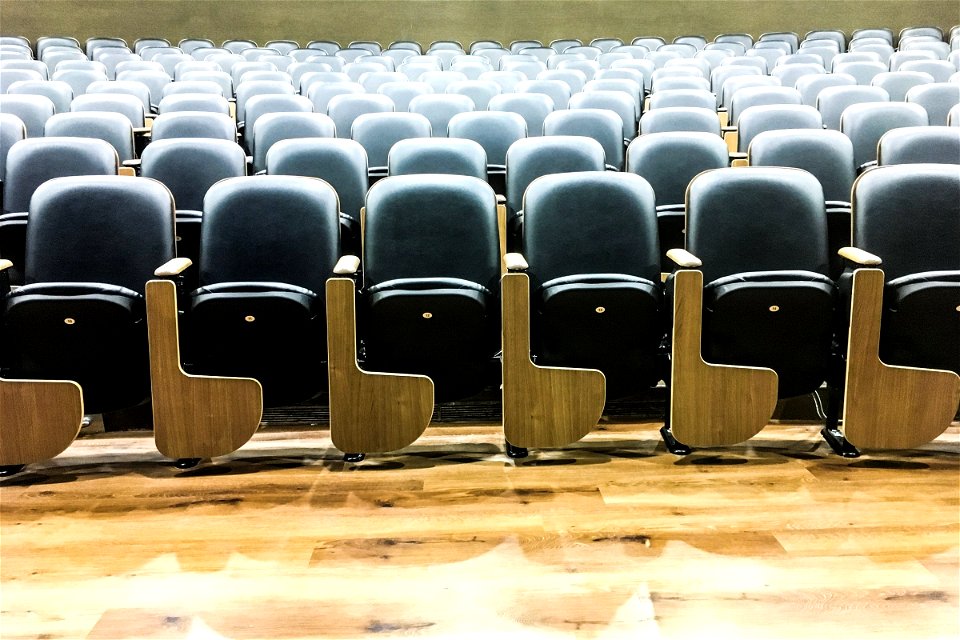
711	404
542	406
369	412
888	407
38	419
611	538
193	416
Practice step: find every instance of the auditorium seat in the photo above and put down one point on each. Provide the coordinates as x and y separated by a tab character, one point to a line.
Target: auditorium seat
378	132
271	128
618	102
345	108
680	119
193	124
758	236
92	243
828	156
59	93
755	120
455	156
438	109
669	161
431	275
495	131
479	91
259	308
322	93
866	123
95	124
682	98
602	125
188	167
936	144
936	98
131	107
532	107
341	163
904	347
261	105
530	158
832	101
941	70
582	308
33	111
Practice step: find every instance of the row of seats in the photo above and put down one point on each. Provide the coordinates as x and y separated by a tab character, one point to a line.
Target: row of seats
538	411
189	166
751	315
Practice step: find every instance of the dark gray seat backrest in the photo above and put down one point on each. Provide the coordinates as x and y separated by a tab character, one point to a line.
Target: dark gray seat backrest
431	226
110	229
909	215
749	219
270	229
33	161
590	222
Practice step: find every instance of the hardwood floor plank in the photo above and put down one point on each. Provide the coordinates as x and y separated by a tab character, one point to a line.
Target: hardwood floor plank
610	538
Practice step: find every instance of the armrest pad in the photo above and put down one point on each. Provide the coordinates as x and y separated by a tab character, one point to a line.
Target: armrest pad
5	264
173	267
347	265
501	199
515	262
130	163
728	128
684	258
859	256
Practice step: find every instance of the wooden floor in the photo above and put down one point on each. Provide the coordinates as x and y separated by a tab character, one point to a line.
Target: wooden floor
612	538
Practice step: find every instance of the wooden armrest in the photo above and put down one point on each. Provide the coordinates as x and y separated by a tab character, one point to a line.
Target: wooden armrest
129	172
347	265
5	264
859	256
684	258
515	262
173	267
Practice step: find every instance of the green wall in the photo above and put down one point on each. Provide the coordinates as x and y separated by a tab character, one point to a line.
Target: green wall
464	20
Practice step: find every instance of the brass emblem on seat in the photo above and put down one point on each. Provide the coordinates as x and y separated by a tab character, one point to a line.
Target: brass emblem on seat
600	309
774	308
69	321
427	315
249	318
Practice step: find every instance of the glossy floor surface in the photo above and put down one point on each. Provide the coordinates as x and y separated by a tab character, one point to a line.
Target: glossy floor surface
611	538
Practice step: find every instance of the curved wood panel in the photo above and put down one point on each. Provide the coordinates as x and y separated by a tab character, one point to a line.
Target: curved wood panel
369	412
542	406
38	419
889	407
193	416
711	404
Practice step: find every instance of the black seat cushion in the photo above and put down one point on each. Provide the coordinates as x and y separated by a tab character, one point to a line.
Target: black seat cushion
611	322
917	307
444	328
270	331
779	319
93	334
